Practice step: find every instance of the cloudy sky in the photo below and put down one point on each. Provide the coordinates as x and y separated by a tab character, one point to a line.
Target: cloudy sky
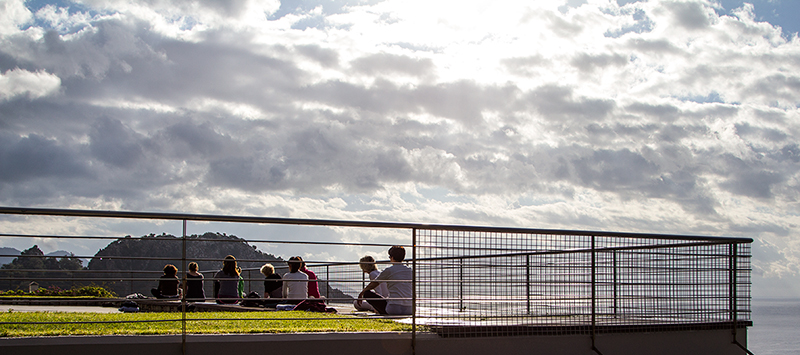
677	117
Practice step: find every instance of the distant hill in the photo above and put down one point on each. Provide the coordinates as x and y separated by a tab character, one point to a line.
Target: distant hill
8	251
131	258
135	253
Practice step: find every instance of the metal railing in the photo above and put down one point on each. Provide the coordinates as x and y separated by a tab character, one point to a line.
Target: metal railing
492	281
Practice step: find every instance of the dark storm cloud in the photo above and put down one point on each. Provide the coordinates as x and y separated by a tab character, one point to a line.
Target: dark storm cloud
120	60
36	157
312	159
756	184
115	144
614	170
188	138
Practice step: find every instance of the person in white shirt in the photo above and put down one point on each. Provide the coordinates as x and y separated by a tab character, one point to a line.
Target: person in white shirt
399	286
295	283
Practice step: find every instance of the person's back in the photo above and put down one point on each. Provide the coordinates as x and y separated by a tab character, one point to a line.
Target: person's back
169	286
272	282
194	284
399	298
226	282
399	287
295	283
313	287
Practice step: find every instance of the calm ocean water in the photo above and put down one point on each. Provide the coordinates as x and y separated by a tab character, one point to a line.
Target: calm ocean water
776	327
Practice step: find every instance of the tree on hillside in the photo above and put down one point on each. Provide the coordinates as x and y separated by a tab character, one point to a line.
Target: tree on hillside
30	259
20	269
34	259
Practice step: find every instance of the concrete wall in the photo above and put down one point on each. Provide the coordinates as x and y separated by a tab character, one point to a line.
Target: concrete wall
705	342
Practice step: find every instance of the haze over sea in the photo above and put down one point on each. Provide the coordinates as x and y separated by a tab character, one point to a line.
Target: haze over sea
776	327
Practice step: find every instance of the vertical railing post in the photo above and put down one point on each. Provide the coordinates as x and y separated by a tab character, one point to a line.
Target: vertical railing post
328	281
594	291
414	291
732	302
183	298
614	271
528	282
460	284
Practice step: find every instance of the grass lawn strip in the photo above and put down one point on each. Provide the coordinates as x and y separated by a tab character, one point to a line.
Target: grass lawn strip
62	323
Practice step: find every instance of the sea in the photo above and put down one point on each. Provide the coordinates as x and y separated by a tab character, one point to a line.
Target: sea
776	327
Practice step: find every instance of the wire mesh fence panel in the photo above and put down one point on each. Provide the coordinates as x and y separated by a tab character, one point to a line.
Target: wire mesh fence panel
482	283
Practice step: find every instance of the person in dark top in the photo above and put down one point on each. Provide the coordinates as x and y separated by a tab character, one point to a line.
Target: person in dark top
169	286
194	284
272	288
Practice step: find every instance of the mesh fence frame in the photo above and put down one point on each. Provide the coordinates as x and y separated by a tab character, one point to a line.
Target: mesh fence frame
494	283
499	281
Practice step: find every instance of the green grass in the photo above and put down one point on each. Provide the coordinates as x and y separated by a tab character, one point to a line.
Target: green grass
197	323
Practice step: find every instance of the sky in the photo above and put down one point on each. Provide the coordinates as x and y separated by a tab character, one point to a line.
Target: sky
677	117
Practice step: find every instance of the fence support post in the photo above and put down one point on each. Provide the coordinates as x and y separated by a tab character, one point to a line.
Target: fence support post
414	291
594	293
461	284
528	282
328	281
183	299
614	267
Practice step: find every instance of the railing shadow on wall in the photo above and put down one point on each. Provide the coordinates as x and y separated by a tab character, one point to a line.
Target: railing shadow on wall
477	281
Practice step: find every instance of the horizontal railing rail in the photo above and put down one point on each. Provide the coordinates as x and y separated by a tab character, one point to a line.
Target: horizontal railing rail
467	280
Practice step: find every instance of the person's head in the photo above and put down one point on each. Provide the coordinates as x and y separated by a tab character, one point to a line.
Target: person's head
170	270
193	266
295	263
367	264
397	253
267	269
302	263
229	266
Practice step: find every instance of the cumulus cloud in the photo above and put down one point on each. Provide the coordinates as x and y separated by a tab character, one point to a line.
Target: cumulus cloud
33	85
650	116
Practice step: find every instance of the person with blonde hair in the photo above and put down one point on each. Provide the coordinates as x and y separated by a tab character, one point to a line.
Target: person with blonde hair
226	282
273	286
367	265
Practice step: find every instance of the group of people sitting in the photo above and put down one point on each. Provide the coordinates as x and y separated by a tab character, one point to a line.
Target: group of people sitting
389	291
